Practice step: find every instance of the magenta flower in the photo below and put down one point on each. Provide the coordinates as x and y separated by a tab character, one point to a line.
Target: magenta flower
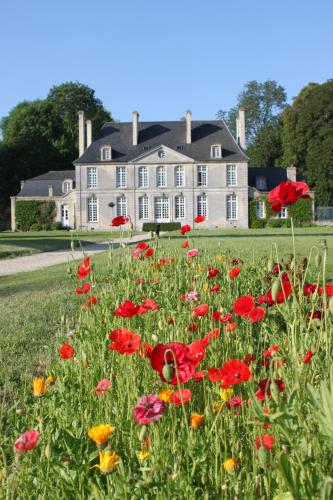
149	409
103	387
27	441
192	296
192	253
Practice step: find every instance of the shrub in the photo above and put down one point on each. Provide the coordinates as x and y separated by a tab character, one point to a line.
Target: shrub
164	226
29	212
46	227
259	224
279	223
56	226
36	227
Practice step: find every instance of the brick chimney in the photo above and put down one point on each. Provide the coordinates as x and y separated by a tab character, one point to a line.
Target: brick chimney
241	128
135	127
81	133
89	132
50	191
291	173
188	127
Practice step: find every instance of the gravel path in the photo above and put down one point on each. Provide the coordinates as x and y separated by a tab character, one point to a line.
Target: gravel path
46	259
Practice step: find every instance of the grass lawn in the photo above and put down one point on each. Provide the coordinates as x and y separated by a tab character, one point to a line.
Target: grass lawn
35	305
18	244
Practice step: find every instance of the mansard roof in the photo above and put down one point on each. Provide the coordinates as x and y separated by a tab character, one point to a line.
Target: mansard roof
39	186
273	175
171	134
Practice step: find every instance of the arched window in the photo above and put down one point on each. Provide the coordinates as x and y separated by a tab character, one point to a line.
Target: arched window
106	153
121	206
261	183
143	177
179	176
216	151
161	179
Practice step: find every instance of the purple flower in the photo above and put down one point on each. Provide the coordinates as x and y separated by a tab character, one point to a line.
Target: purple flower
192	296
149	409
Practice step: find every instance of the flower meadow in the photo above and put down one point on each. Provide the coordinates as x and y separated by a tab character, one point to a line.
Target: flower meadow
184	374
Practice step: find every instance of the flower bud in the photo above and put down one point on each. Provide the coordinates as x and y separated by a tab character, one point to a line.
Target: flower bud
262	456
317	259
154	337
73	245
330	305
168	372
276	287
143	432
48	451
270	265
275	392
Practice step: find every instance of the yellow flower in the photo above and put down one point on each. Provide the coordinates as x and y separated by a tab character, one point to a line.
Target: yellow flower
230	464
38	386
143	455
196	420
85	363
199	267
165	394
205	287
51	380
227	394
107	461
218	258
217	407
100	433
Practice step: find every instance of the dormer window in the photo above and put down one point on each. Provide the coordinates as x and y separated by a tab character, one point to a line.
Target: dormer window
67	186
216	151
106	153
261	183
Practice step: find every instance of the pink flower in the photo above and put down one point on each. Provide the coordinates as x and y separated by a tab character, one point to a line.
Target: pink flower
192	296
149	409
192	253
27	441
103	387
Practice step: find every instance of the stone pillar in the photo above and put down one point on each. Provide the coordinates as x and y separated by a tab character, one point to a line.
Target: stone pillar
12	213
81	133
241	127
291	173
188	127
89	132
237	129
135	127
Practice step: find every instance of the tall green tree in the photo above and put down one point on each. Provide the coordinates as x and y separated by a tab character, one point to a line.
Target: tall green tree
262	103
307	138
266	148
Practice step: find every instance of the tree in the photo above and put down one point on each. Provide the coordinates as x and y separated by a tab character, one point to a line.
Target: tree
262	102
266	148
307	138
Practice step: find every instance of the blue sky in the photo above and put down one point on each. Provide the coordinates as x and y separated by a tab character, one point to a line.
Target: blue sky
162	58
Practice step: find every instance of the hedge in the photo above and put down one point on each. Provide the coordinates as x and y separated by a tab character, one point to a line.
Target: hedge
31	213
300	212
164	226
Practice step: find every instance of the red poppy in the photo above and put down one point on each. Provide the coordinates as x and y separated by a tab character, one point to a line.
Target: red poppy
150	304
244	305
230	327
271	351
200	310
91	300
119	221
179	358
193	327
328	290
141	246
212	272
180	397
145	350
85	289
84	268
287	193
308	288
200	218
283	294
234	272
215	288
215	315
308	357
185	229
226	318
149	252
232	372
126	310
256	314
264	388
248	358
66	351
266	440
198	376
196	351
234	402
185	244
124	341
170	320
213	334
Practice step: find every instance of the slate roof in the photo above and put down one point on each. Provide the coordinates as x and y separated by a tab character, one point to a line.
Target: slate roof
171	134
39	186
273	175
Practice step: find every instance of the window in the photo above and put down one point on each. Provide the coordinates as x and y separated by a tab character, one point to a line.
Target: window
180	207
283	214
143	207
121	206
146	148
162	208
231	175
180	147
179	176
67	187
92	209
91	177
260	209
121	177
161	180
216	151
143	177
261	183
202	205
202	175
231	207
106	153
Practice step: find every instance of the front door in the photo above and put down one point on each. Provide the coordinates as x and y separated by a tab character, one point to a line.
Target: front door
162	209
64	216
